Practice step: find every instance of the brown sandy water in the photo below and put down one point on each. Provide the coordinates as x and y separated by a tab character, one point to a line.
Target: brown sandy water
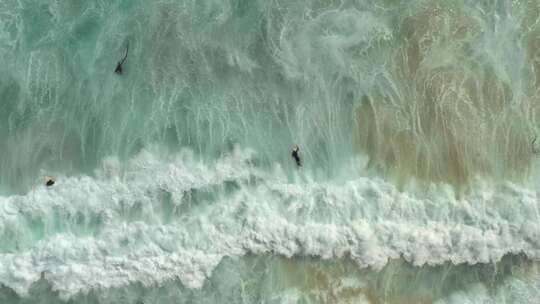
175	181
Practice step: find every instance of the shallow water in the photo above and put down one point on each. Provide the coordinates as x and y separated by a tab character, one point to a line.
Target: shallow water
175	182
273	279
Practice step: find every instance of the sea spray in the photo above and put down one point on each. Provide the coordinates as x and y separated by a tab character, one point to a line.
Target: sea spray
161	219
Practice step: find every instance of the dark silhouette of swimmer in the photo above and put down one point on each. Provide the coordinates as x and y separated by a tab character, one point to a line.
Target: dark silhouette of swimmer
295	154
49	181
118	69
534	150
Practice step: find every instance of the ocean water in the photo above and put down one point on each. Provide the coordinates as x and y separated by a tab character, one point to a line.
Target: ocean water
415	120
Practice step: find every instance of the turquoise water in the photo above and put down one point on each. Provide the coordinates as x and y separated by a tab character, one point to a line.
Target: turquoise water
175	182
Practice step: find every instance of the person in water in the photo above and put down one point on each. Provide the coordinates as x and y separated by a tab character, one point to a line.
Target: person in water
118	69
296	156
49	181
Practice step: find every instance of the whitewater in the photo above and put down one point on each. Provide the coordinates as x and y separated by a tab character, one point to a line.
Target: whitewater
175	182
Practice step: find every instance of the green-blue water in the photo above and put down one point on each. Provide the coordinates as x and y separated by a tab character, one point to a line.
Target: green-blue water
175	183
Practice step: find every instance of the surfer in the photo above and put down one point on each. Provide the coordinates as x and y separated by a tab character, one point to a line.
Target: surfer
118	69
296	156
49	181
534	150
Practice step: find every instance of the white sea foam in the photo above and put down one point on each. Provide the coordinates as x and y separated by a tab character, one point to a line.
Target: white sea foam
158	219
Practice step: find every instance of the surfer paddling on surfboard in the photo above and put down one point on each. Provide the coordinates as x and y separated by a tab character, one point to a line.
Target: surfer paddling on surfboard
296	156
118	69
533	146
49	181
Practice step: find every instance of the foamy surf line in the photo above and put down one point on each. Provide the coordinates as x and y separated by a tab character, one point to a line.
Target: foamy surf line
161	219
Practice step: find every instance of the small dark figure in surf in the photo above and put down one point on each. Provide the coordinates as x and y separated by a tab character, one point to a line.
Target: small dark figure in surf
118	69
49	181
534	150
295	154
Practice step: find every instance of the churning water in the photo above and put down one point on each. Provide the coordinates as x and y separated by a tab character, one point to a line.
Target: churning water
175	182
